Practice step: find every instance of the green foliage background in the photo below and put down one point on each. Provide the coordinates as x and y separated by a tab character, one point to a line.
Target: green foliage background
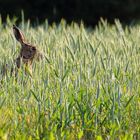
88	87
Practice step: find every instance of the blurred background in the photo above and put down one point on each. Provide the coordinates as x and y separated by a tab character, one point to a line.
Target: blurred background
88	11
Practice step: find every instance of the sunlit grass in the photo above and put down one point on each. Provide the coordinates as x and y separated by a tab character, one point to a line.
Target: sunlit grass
87	88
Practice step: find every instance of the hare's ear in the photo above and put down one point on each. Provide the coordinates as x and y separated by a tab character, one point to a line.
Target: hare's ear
18	34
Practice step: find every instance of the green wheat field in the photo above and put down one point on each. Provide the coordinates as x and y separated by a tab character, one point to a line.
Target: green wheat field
87	87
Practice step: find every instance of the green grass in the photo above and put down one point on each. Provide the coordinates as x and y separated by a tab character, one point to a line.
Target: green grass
87	88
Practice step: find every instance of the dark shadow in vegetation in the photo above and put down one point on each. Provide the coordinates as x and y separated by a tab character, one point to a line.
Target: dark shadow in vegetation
88	11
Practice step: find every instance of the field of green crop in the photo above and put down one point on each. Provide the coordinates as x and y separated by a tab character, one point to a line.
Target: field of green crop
87	87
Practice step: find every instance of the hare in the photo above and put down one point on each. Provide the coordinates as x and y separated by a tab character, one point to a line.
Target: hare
26	56
28	52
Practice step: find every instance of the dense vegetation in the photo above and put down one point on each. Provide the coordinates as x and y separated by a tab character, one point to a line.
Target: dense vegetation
88	87
89	11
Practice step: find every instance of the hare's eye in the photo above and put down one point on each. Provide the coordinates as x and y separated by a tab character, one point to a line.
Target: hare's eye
24	57
33	48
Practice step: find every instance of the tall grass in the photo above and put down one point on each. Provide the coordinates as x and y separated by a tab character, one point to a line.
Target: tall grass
87	88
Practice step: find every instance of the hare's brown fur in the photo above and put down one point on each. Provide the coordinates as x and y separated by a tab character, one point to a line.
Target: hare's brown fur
27	53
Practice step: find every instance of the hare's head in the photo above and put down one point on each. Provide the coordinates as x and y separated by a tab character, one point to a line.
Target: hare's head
27	51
